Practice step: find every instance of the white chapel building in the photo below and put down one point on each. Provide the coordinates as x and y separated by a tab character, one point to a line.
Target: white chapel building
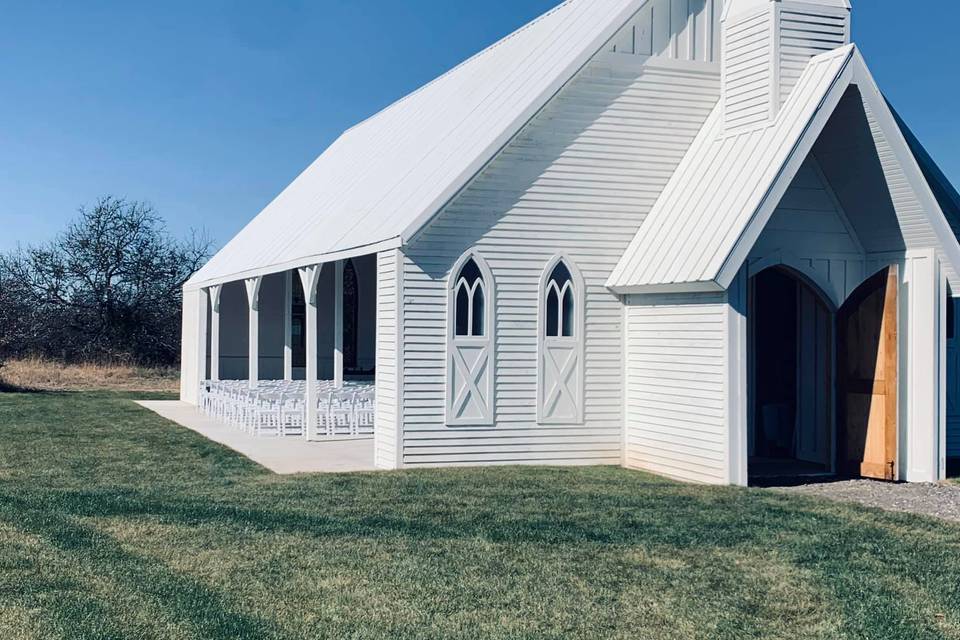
689	237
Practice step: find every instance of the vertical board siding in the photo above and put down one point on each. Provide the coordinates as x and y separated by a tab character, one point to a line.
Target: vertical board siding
678	29
805	34
387	419
747	72
579	180
676	371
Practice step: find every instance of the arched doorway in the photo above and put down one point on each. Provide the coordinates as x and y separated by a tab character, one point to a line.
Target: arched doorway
792	372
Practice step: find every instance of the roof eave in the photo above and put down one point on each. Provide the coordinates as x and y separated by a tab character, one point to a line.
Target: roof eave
708	286
354	252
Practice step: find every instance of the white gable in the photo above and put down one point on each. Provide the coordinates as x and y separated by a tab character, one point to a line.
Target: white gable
382	179
717	189
725	190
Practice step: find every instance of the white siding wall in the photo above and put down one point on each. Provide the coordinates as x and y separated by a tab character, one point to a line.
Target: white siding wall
747	73
809	219
810	224
806	32
579	179
679	29
387	425
676	373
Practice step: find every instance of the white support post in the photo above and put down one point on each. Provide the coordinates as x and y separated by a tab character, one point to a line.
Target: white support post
191	345
253	354
338	326
920	335
309	277
737	354
288	326
202	338
214	293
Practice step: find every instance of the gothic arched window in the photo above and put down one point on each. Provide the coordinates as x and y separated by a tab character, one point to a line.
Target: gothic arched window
561	344
470	301
470	343
560	305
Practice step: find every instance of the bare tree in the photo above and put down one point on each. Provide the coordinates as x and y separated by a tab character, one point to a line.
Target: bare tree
109	288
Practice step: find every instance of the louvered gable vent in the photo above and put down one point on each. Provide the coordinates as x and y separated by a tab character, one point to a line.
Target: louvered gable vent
766	46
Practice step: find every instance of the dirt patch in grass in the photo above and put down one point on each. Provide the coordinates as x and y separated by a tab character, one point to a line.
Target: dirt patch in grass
44	375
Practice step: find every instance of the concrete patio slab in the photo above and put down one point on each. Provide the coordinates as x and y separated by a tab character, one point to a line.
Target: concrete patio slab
280	455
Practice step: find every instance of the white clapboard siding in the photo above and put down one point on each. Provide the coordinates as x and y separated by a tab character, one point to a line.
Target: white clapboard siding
579	180
913	217
809	220
676	366
810	226
679	29
807	31
747	71
387	420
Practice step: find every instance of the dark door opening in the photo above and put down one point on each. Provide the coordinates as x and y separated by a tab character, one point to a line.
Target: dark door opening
791	428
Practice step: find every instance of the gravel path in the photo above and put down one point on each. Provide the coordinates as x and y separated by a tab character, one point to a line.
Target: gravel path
937	500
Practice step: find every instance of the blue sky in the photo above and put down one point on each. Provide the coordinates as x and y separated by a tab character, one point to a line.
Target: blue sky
208	109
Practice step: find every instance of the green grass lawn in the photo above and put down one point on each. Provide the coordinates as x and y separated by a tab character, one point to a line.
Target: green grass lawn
116	524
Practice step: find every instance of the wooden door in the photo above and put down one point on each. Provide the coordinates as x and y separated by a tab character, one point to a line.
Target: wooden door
867	371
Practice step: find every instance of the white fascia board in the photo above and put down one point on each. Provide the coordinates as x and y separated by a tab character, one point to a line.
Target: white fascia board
493	150
708	286
801	149
354	252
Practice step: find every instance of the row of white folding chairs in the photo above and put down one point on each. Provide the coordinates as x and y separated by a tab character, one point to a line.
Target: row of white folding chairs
338	415
279	409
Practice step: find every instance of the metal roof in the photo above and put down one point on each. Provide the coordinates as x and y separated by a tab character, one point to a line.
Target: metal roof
383	179
718	189
727	186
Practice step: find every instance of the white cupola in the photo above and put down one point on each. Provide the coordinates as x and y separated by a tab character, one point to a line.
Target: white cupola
766	46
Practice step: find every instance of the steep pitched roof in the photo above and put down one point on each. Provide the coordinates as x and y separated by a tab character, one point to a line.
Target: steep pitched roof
727	187
382	180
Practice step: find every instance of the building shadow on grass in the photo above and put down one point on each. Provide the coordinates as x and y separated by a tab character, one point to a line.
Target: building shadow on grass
93	552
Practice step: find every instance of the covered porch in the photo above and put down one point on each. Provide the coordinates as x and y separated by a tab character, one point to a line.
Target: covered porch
292	354
283	456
